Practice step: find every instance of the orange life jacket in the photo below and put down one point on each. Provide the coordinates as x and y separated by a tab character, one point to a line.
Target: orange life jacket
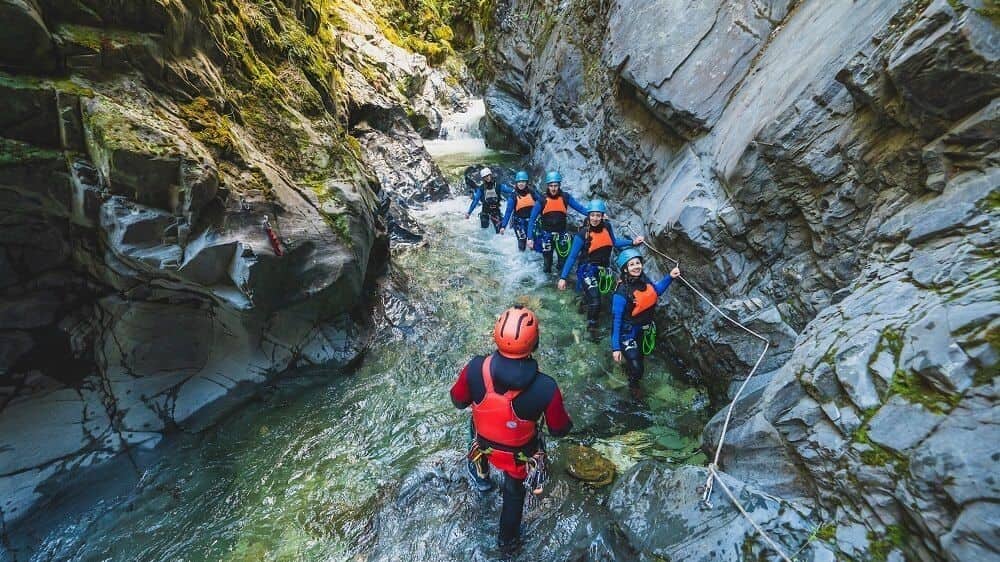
523	203
643	299
494	416
554	205
597	240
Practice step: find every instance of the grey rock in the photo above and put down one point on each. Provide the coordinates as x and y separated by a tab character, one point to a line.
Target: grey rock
942	47
852	540
976	533
657	509
899	425
929	351
959	458
26	45
666	57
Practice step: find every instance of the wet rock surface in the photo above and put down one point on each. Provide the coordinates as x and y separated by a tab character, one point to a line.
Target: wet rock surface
148	152
820	190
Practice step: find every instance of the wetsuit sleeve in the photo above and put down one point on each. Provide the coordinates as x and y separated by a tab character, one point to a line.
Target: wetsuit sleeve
556	417
461	395
575	205
535	211
617	313
662	284
574	251
618	243
511	201
475	200
506	189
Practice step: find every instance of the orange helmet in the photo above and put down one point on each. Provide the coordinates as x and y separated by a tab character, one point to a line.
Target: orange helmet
516	332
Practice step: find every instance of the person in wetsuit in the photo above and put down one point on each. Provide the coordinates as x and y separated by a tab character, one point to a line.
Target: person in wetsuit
520	203
508	396
632	309
550	211
489	193
593	244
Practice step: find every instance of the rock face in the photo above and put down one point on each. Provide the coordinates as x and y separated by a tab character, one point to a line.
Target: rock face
828	173
148	150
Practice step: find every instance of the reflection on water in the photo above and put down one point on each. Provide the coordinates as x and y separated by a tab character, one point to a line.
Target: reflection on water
367	466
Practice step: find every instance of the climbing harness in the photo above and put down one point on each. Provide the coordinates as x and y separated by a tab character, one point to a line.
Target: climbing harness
605	280
275	243
562	244
713	475
477	455
538	474
648	338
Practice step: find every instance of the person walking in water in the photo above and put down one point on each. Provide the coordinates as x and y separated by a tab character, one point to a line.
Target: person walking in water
489	193
520	203
550	210
508	396
593	244
632	309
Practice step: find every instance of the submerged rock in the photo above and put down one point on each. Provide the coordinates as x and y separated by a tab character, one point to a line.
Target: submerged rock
585	463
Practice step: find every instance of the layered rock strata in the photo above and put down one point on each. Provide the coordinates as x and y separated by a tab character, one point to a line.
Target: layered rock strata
149	150
827	171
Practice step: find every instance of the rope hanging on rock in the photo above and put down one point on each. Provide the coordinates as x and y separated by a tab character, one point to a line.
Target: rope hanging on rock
275	243
713	467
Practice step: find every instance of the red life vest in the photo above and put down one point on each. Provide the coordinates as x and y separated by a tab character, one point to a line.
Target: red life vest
494	416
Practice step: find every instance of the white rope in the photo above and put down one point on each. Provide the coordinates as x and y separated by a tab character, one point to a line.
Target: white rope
712	474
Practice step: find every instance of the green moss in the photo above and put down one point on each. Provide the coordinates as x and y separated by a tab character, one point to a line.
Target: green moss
65	86
991	11
880	547
826	532
876	455
16	152
208	126
99	38
992	201
914	388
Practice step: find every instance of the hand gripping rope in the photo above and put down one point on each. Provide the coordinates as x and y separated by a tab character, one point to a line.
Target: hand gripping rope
713	475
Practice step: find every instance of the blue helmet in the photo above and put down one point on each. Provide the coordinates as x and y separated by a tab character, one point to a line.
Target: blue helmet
626	255
521	176
597	206
553	177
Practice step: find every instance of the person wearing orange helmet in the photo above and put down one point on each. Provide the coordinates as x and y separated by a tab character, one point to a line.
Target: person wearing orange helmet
508	396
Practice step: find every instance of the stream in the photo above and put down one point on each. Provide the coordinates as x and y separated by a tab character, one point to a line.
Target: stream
368	466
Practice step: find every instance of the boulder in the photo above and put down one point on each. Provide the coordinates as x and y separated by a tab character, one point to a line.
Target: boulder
26	44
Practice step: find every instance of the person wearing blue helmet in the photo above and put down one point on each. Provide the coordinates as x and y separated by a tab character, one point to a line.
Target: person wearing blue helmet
593	244
490	192
550	211
632	309
520	202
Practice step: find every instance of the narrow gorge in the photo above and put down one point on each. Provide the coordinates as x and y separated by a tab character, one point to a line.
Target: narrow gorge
237	279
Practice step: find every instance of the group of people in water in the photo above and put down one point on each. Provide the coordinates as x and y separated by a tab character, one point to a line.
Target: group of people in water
506	391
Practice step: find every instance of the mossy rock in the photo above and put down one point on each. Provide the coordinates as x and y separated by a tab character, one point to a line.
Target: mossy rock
586	464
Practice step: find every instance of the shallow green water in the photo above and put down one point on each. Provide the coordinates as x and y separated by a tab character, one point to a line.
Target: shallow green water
368	466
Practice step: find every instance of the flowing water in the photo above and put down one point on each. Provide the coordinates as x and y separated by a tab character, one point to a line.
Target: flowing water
368	466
